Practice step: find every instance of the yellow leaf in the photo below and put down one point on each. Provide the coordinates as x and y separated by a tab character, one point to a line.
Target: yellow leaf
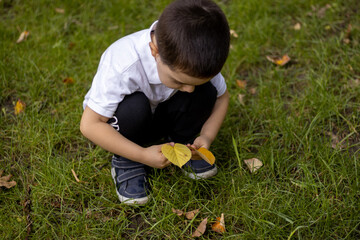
68	80
200	229
253	164
19	107
219	226
178	154
280	62
206	155
23	36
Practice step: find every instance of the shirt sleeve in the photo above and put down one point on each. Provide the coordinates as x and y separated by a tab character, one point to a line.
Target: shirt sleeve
109	87
219	83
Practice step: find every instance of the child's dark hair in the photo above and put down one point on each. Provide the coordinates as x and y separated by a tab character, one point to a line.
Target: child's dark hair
193	37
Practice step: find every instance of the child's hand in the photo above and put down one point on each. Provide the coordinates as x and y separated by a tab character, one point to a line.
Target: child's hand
201	141
153	157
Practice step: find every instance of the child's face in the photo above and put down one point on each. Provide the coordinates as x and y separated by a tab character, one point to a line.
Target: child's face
174	79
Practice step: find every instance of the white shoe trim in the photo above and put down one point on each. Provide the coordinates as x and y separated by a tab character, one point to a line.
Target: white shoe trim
204	175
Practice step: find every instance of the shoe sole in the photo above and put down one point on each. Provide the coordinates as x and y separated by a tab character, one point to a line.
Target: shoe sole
204	175
126	200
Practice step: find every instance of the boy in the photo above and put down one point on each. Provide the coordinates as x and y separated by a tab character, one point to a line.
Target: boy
160	82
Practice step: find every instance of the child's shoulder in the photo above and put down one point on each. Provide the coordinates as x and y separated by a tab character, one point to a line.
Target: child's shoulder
126	51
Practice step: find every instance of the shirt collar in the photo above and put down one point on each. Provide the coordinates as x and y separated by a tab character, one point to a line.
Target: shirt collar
148	60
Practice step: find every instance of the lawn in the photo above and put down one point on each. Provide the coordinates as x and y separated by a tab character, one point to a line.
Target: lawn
302	120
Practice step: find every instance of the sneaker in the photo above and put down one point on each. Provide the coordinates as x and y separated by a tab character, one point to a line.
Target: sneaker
130	181
199	169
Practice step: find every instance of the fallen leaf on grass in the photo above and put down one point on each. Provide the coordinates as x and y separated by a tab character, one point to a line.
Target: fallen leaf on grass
19	107
71	45
253	90
177	211
241	84
354	83
279	61
297	26
4	181
23	36
253	164
191	214
335	142
60	10
241	99
347	34
233	33
68	80
321	12
200	229
219	226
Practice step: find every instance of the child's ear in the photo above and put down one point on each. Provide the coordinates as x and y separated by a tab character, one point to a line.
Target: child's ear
154	49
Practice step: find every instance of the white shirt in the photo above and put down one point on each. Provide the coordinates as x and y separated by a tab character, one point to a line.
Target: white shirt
127	66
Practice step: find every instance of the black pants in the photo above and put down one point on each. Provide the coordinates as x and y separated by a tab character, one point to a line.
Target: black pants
179	119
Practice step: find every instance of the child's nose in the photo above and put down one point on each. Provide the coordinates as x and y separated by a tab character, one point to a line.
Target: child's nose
188	88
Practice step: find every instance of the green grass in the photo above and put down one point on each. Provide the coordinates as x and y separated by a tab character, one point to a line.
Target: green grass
306	189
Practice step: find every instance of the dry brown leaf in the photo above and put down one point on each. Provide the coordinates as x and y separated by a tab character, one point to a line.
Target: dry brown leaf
253	164
355	83
348	30
4	181
219	226
19	107
335	142
233	33
177	212
347	34
241	99
71	45
191	214
60	10
297	26
346	40
23	36
253	90
321	12
200	229
279	61
68	80
241	84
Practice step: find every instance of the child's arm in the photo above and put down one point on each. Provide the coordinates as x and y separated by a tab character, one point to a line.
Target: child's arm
95	128
213	124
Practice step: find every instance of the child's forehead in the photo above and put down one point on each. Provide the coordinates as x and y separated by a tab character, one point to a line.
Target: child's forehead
187	79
